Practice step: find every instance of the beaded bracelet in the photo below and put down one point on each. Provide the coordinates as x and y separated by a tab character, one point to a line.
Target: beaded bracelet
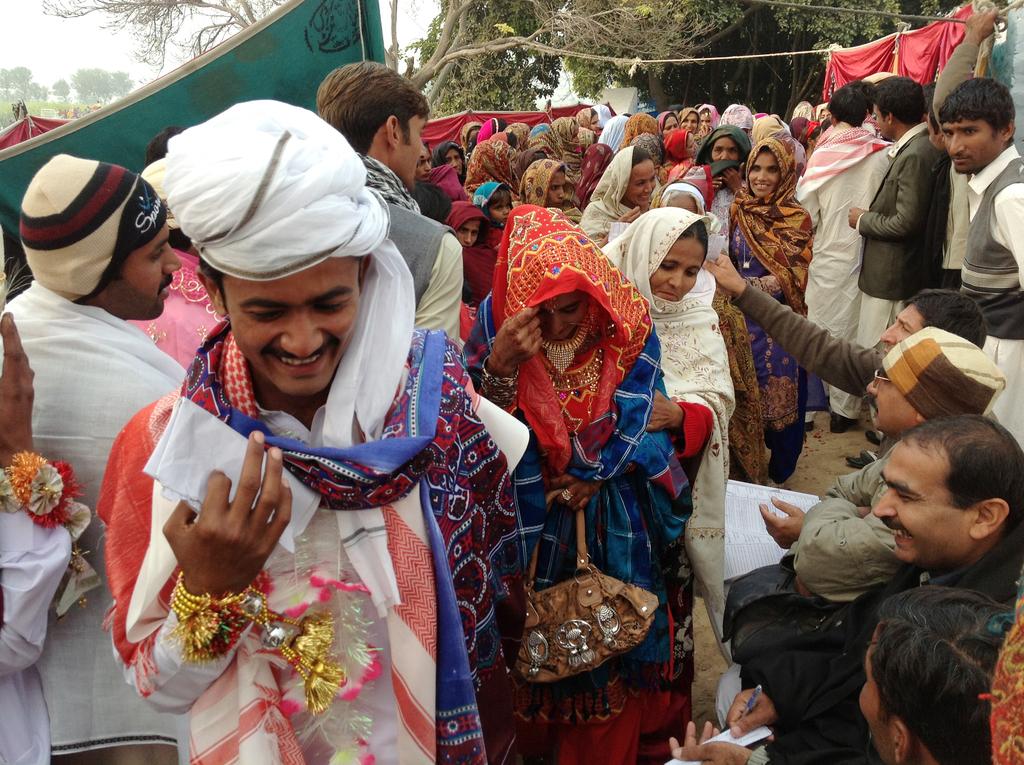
209	627
500	390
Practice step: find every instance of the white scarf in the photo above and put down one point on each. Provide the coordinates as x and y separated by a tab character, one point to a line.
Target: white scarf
696	369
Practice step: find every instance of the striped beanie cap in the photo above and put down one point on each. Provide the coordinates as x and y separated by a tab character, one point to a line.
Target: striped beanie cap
79	216
941	374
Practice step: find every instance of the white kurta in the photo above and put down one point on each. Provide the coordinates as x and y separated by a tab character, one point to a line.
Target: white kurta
1008	230
93	372
32	561
833	298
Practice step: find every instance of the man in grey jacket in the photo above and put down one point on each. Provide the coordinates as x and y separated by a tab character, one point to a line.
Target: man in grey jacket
382	115
892	228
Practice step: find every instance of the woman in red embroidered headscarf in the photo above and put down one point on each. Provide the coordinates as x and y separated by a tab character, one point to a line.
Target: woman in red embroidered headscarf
770	243
565	343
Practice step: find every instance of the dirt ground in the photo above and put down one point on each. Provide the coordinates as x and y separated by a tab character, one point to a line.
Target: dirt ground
823	458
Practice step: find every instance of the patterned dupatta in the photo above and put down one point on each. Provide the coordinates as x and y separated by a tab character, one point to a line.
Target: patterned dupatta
778	230
432	438
631	522
542	256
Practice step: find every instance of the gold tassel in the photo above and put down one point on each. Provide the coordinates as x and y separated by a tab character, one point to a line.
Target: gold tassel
310	649
322	684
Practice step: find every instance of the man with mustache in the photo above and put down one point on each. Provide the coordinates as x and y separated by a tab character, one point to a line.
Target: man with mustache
95	237
339	594
840	549
978	122
955	493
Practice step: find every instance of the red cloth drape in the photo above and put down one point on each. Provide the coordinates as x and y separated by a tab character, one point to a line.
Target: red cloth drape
27	128
919	54
448	128
851	64
923	52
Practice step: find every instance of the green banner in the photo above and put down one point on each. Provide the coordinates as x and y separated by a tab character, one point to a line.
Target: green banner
283	57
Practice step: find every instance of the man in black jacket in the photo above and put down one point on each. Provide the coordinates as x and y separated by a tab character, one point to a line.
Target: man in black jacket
955	500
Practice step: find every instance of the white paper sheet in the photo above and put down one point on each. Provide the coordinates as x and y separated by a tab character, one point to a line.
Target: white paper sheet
194	444
747	543
758	734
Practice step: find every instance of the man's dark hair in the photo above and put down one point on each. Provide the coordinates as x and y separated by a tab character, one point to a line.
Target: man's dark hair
866	89
952	311
929	99
433	202
985	461
211	273
157	148
357	100
933	658
902	98
979	99
640	155
849	105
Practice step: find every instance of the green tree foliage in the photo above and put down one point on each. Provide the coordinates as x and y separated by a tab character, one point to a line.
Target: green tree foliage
709	28
505	80
99	85
62	89
17	85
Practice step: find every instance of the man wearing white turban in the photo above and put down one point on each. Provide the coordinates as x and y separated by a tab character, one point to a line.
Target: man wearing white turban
342	603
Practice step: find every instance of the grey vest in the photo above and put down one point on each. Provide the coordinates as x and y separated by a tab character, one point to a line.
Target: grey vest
990	273
418	239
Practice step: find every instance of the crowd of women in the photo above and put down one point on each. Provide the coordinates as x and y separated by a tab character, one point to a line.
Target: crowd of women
737	172
588	311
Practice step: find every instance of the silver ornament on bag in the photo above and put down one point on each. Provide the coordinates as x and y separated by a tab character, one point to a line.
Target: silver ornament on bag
572	636
609	624
537	648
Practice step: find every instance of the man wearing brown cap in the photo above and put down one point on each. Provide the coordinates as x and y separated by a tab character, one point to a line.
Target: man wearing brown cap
843	550
95	237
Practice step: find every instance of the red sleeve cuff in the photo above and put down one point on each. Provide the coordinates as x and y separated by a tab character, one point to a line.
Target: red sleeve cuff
698	424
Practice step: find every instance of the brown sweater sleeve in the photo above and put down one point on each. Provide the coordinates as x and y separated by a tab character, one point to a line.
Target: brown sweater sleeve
839	363
958	69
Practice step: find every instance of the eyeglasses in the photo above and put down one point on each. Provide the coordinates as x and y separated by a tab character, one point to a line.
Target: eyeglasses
880	376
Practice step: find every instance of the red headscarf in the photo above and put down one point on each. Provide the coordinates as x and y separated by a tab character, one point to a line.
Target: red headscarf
595	161
543	255
478	260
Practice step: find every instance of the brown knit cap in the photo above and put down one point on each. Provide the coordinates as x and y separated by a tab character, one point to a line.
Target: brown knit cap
78	215
941	374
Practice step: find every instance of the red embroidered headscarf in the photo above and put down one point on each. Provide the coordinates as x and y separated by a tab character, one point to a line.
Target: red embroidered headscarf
544	255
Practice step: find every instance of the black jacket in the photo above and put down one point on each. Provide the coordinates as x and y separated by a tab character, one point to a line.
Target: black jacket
816	690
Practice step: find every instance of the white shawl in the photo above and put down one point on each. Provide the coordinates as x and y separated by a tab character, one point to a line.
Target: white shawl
696	369
93	372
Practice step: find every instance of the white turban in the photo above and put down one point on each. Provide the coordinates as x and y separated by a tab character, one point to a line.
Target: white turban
265	190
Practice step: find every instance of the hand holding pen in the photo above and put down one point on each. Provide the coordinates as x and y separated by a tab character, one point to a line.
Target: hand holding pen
751	709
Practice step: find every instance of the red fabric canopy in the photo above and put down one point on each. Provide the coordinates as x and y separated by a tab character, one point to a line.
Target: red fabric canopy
918	54
923	52
449	128
27	128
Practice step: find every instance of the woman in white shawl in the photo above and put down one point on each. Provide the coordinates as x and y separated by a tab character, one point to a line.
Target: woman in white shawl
662	253
614	130
622	195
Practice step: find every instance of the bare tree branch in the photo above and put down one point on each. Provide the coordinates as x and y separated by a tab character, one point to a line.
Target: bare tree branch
157	24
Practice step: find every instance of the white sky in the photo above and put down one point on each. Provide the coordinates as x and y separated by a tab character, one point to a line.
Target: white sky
55	48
